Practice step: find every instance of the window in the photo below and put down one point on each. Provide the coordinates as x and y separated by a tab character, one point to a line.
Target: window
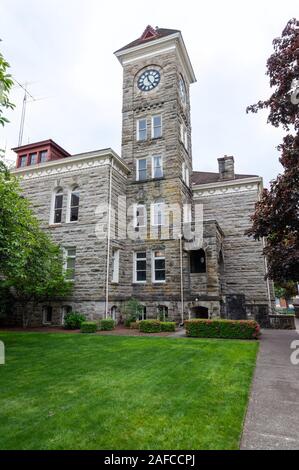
115	266
142	314
158	213
141	129
141	169
162	312
185	174
156	127
158	266
140	267
187	213
157	168
184	135
198	261
32	158
43	156
58	201
140	216
47	314
70	262
65	310
74	205
23	160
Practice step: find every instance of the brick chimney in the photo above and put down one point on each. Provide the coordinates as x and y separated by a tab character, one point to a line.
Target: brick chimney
226	166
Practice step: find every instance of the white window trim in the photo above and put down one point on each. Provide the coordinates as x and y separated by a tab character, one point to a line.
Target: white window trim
152	126
65	258
135	281
115	266
44	320
138	128
68	207
135	215
154	281
52	211
137	168
153	167
153	214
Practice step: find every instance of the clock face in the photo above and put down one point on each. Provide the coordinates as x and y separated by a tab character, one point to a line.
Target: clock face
148	80
182	89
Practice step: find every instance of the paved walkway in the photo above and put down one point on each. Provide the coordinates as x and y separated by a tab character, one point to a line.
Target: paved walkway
272	420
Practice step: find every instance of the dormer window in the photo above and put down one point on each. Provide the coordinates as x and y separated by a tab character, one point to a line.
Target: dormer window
43	156
22	161
33	158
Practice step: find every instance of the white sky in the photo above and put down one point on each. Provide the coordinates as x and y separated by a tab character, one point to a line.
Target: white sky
64	50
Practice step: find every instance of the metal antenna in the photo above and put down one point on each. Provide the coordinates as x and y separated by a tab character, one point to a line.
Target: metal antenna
26	93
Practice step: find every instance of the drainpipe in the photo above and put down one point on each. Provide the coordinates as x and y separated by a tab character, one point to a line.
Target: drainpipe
182	283
108	238
265	261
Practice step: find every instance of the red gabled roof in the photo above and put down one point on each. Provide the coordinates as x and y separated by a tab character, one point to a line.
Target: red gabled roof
150	34
205	177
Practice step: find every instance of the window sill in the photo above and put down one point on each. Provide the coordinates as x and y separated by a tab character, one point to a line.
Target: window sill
138	283
149	180
59	224
159	282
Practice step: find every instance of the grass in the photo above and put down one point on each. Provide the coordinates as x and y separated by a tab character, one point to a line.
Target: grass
61	391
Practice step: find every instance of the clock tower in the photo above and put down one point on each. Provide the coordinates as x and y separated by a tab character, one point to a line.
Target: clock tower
156	146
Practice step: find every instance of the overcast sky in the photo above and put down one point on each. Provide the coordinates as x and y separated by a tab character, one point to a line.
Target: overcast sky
64	50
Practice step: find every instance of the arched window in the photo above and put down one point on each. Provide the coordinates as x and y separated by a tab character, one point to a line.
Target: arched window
57	209
74	204
158	210
198	261
162	311
140	215
142	314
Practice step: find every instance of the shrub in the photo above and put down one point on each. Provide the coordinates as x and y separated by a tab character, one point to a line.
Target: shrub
150	326
233	329
167	326
88	327
134	325
107	324
73	320
128	322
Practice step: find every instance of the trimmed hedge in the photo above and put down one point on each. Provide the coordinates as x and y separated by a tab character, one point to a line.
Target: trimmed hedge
167	326
107	324
73	320
233	329
150	326
88	327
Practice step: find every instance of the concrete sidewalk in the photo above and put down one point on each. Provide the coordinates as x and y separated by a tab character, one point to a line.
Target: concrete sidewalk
272	420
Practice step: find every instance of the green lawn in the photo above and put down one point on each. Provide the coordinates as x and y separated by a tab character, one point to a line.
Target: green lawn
72	391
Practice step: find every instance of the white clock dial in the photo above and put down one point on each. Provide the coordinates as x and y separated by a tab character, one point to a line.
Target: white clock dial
148	80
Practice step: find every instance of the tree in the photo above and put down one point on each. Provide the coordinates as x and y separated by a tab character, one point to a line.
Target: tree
30	263
276	215
286	291
6	84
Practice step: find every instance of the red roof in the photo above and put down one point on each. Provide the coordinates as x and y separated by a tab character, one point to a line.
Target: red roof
150	34
205	177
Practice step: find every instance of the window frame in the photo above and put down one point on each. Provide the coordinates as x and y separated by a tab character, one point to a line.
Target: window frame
23	158
154	258
138	170
138	129
56	192
153	127
74	189
153	207
115	265
143	206
66	257
135	280
43	152
153	167
45	313
36	158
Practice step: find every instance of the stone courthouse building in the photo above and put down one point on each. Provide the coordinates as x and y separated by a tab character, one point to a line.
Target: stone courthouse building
145	225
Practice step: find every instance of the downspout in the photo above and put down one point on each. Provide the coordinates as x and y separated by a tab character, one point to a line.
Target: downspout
265	260
108	238
182	283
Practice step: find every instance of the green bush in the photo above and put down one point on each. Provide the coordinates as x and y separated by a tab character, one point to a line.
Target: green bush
150	326
233	329
73	320
88	327
134	325
167	326
107	324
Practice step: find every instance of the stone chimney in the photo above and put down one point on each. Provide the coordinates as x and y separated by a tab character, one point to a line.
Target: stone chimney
226	166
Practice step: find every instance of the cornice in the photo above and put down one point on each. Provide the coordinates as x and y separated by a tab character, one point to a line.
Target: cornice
74	164
227	187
